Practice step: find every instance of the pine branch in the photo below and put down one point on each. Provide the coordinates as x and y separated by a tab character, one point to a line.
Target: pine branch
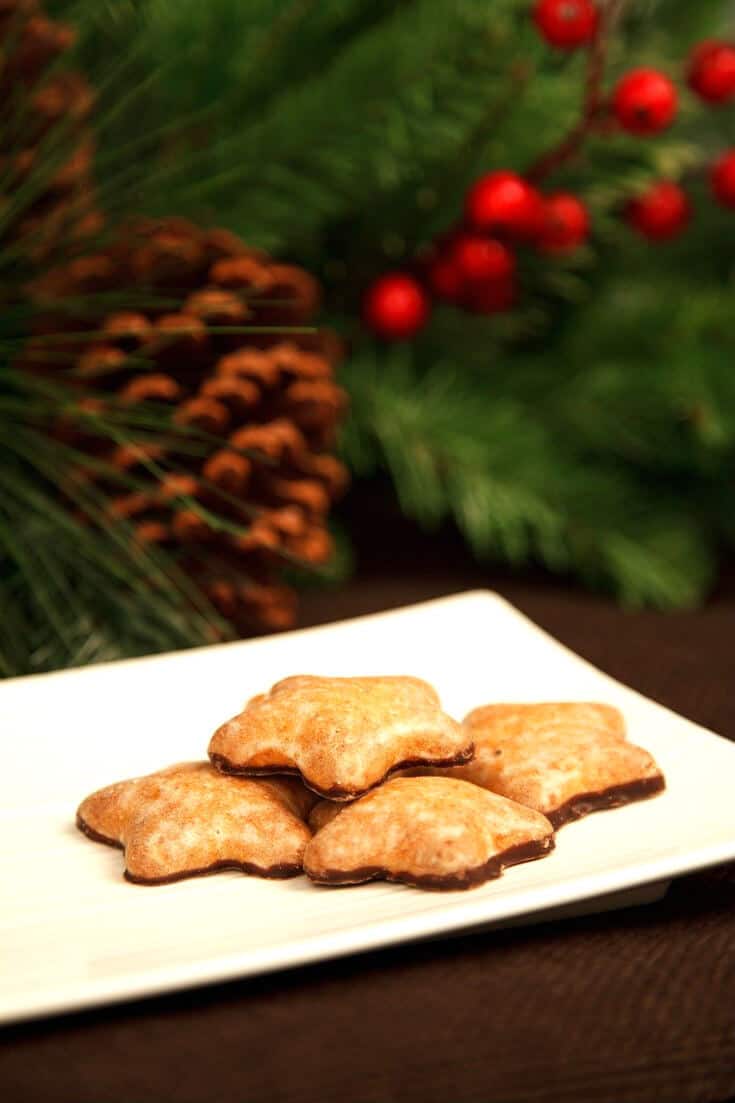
593	428
73	591
518	491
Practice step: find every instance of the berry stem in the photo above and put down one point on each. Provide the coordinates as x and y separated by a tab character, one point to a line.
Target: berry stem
593	102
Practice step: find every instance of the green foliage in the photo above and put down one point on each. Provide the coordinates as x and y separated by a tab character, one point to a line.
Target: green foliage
314	125
75	592
519	487
591	429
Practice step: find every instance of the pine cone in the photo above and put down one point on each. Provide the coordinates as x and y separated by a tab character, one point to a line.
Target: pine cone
262	407
46	148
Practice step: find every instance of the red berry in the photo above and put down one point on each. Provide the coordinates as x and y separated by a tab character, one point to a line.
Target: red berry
479	259
396	306
445	279
503	203
493	297
712	71
722	179
566	23
566	223
661	212
644	101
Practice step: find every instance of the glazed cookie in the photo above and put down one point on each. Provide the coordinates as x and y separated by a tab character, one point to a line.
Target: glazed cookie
430	832
190	819
564	759
343	735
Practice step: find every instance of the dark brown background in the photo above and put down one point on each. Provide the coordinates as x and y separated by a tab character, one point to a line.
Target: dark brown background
628	1007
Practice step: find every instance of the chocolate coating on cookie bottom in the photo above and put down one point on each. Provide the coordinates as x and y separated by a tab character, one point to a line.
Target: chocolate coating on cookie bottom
95	836
188	820
343	735
615	797
280	872
471	878
338	793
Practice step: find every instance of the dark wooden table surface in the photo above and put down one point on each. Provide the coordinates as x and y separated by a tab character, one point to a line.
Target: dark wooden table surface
628	1007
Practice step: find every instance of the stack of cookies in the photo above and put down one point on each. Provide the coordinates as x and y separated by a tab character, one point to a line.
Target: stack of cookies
353	779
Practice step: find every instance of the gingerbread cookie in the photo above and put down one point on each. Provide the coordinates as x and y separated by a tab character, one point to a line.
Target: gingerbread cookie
190	819
564	759
343	735
430	832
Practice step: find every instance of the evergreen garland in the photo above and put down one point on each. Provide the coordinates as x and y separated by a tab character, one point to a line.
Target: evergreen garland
593	427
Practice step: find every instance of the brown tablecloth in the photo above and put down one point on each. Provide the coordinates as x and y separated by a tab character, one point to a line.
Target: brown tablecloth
626	1007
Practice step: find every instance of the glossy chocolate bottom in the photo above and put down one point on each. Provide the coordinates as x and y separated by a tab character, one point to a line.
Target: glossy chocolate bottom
339	793
467	879
273	872
585	803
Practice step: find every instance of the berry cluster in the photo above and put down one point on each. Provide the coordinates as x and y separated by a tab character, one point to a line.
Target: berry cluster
664	209
473	266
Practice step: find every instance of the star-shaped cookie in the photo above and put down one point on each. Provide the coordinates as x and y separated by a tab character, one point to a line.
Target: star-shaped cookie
190	819
430	832
566	759
343	735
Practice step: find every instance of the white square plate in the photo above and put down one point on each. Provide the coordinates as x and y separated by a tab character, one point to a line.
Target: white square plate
73	933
